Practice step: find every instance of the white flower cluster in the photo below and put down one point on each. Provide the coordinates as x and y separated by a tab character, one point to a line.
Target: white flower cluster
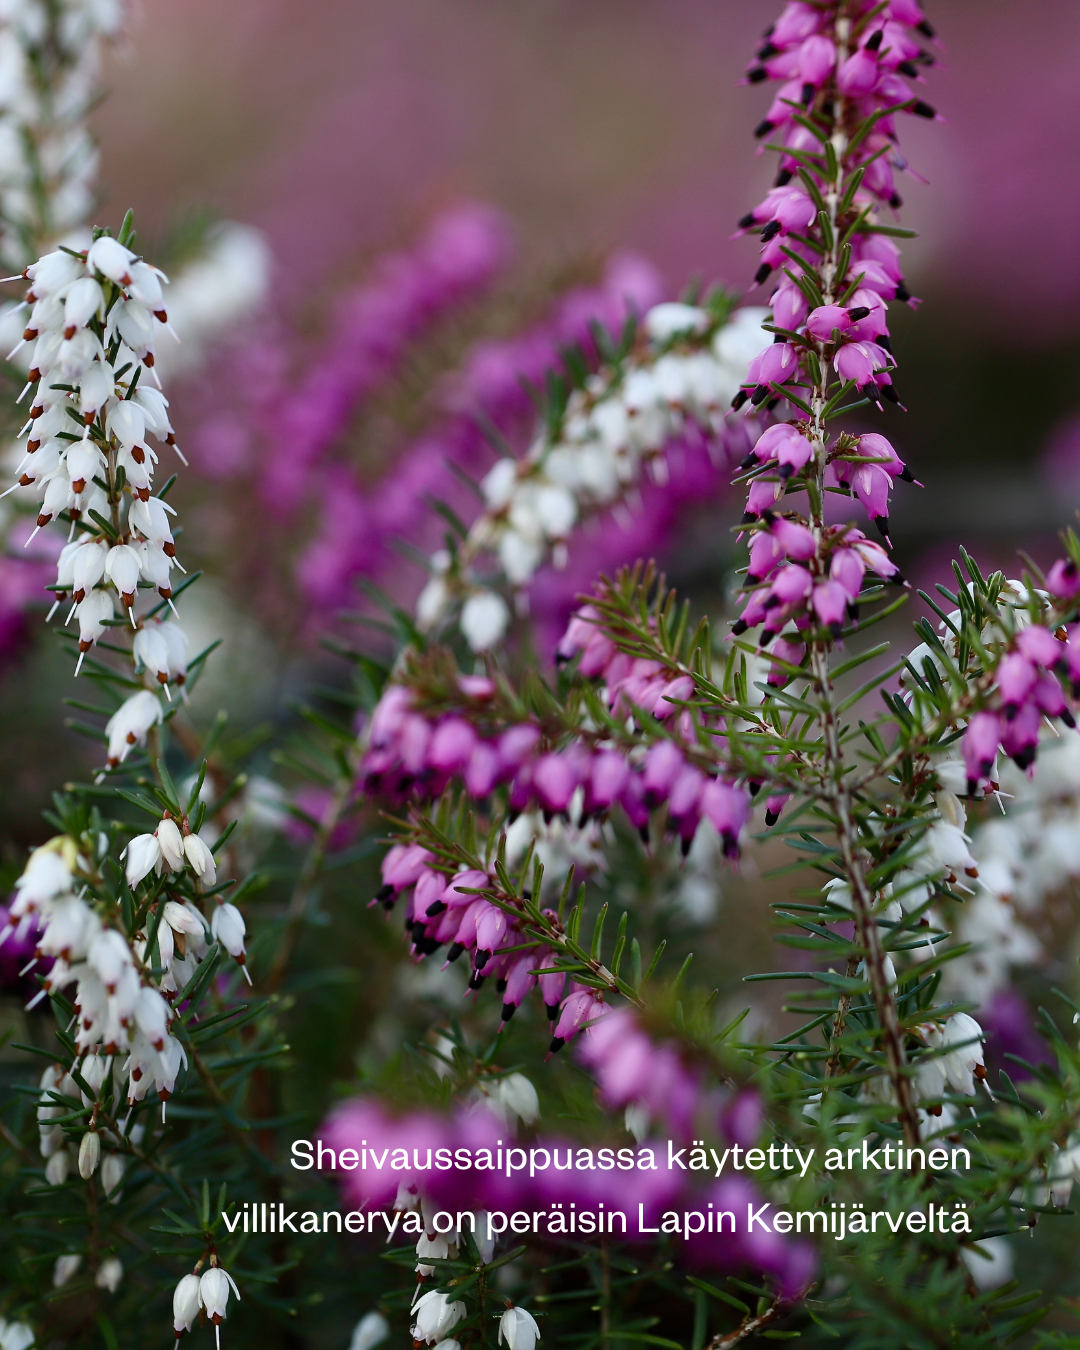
684	369
120	1011
207	1293
1028	856
93	321
50	55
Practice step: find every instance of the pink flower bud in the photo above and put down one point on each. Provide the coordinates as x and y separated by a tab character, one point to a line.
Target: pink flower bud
1015	680
1038	644
817	59
981	741
554	779
663	763
728	809
1020	736
789	307
825	318
858	75
451	745
1063	579
795	539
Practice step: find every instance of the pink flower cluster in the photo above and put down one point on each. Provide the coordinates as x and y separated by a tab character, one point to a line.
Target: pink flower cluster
796	579
441	910
411	752
1026	689
872	80
631	1068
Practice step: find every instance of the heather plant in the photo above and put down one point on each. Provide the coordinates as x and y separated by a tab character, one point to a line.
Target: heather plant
545	1042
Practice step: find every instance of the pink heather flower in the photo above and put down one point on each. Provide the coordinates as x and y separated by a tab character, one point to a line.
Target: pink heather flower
1050	700
981	740
451	746
817	58
663	763
1020	736
848	568
871	484
727	808
581	1006
784	649
825	318
791	587
830	602
761	498
1063	579
517	744
765	555
796	540
796	23
1016	678
789	307
555	778
481	773
859	361
1040	645
859	74
606	780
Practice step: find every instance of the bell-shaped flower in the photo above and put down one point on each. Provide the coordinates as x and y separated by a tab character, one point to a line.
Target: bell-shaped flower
200	859
109	257
518	1329
84	300
484	619
129	725
143	856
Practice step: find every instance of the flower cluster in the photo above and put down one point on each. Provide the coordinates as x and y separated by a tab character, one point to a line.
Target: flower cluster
681	369
861	62
50	54
411	752
120	1008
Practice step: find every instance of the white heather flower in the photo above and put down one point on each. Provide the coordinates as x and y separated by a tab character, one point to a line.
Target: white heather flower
130	723
437	1247
109	257
143	856
89	1154
498	483
109	1275
214	1289
663	322
186	1303
435	1315
122	569
16	1336
152	1012
58	1167
518	1095
518	1329
200	859
108	956
112	1174
227	925
92	614
484	618
171	843
65	1268
989	1262
370	1331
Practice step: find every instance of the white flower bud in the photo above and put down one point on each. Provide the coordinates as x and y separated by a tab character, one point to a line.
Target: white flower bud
84	299
498	484
89	1154
18	1336
65	1268
186	1303
58	1167
370	1331
96	387
214	1293
122	569
109	1275
171	842
663	322
112	1174
484	618
517	1094
143	855
201	859
435	1316
127	422
131	721
518	1329
109	257
227	925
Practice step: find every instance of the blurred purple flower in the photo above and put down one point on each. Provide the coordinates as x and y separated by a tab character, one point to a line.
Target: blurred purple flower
16	951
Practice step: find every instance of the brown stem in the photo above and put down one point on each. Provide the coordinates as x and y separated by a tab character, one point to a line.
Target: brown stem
294	915
750	1325
843	1007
